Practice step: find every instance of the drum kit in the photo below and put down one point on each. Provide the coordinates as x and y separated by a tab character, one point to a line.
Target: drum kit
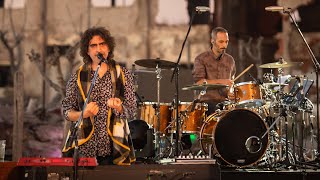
262	126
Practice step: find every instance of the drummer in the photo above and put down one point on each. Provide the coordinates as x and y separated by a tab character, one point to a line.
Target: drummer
215	66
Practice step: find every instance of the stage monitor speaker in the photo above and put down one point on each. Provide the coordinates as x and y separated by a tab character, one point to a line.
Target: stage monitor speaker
148	150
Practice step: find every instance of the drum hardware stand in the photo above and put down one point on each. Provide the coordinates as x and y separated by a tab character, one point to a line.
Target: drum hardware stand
157	110
176	75
301	159
317	68
300	162
300	140
253	143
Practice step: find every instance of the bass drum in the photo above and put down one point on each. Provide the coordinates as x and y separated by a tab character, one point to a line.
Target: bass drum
235	136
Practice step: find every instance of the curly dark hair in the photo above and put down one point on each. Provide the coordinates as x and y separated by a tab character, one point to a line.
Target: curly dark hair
88	35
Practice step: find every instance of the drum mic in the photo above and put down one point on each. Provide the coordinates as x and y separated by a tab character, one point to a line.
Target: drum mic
220	105
194	102
255	80
253	144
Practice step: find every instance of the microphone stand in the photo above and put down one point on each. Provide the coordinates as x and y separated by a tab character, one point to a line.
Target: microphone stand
74	137
317	68
176	75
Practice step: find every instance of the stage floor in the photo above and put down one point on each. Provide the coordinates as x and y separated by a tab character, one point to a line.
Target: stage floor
9	170
155	171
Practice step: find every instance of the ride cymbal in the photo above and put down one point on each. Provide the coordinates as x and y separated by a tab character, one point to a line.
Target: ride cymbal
154	63
281	65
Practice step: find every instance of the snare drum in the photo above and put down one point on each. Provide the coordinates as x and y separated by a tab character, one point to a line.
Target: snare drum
190	121
148	114
248	95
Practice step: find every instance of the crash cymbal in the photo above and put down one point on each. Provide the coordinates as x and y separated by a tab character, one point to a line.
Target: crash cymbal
204	86
275	84
281	65
152	63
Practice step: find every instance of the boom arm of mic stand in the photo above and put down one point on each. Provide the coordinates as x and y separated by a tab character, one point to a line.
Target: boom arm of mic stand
184	42
176	74
74	137
317	67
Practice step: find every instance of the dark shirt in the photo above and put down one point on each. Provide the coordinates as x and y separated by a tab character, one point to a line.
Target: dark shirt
208	66
100	143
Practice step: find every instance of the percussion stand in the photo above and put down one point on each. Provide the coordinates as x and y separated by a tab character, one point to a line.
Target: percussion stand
295	127
157	110
175	75
301	159
317	68
284	115
253	143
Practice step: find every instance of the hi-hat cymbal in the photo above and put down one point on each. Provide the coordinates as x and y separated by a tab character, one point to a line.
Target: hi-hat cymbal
204	86
153	63
281	65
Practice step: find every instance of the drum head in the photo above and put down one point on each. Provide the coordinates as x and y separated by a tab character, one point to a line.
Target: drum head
138	130
232	133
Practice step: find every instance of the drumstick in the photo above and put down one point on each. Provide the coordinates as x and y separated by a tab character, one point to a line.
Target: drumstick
242	72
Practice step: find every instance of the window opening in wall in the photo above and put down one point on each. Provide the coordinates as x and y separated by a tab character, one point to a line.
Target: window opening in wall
14	4
112	3
5	76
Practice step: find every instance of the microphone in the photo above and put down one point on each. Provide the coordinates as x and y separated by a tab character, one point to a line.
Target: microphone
220	106
100	56
194	102
201	9
255	80
300	87
276	8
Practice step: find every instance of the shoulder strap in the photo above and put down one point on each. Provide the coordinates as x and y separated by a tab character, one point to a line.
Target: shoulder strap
118	70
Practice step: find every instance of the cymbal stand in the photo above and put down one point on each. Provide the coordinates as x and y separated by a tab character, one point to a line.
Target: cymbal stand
157	110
